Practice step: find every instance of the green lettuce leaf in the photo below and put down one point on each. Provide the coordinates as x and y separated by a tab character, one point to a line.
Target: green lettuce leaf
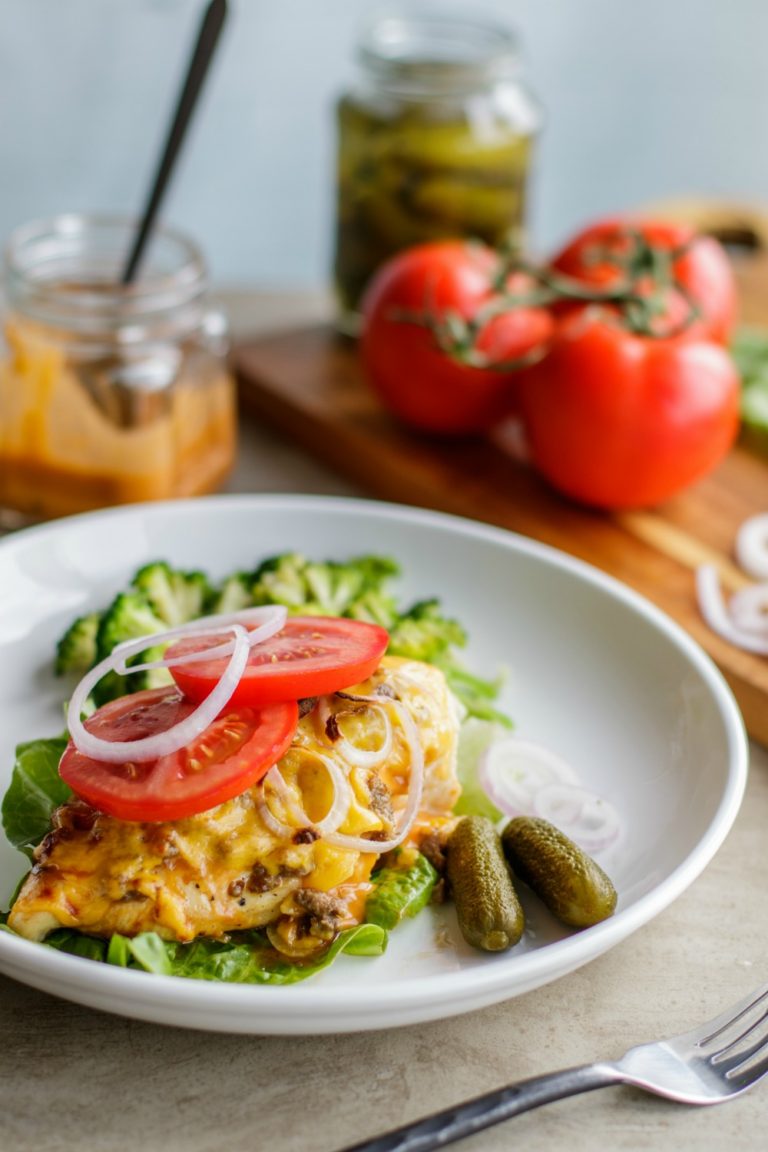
400	892
247	960
475	737
35	790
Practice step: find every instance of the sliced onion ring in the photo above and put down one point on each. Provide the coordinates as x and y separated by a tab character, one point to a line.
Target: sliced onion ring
359	757
582	815
333	817
512	771
716	614
162	743
749	608
268	621
751	546
275	779
415	790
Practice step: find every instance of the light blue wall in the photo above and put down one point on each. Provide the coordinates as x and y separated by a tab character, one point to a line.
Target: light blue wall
645	98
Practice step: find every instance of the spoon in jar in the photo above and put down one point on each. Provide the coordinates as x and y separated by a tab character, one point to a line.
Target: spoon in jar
207	39
132	394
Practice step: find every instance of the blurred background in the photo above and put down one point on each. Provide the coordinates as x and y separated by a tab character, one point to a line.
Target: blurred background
641	103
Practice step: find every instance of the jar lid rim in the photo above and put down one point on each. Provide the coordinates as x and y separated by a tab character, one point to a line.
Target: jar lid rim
438	50
28	240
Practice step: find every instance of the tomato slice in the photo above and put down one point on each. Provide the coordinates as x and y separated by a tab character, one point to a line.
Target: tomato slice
233	753
311	656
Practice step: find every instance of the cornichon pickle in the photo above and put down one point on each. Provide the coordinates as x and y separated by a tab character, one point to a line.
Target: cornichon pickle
568	881
487	907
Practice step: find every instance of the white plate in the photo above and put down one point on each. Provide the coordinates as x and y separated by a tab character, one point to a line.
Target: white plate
596	672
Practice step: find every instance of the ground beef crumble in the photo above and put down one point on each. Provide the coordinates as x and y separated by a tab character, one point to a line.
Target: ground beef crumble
324	911
381	800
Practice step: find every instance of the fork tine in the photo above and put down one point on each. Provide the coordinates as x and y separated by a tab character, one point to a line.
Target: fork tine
716	1030
737	1053
747	1073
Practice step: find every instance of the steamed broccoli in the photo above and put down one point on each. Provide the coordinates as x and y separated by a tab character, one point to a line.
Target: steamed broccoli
162	597
128	617
423	633
376	607
76	650
233	594
175	596
330	588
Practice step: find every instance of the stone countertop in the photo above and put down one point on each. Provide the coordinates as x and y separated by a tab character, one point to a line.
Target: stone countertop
77	1079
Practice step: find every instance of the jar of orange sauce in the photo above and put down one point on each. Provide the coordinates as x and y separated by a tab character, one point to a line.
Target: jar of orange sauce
109	394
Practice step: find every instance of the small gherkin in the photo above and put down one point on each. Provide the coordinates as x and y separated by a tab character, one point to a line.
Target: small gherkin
489	913
570	883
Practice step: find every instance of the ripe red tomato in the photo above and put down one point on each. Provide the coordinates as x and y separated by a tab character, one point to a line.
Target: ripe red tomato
704	270
311	656
617	420
232	754
424	385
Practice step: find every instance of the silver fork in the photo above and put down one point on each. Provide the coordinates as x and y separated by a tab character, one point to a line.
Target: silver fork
712	1063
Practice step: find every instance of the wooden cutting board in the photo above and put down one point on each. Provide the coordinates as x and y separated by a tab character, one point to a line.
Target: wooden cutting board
308	384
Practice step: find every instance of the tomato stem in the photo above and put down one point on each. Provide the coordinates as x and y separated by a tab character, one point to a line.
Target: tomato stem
639	299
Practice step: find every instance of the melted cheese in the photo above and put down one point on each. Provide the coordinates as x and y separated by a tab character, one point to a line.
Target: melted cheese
230	868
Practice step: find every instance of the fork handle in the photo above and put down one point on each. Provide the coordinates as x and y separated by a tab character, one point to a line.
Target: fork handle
484	1111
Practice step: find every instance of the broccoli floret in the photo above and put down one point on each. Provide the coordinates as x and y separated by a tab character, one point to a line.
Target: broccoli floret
233	595
76	650
280	580
423	633
330	588
175	596
339	588
375	607
128	617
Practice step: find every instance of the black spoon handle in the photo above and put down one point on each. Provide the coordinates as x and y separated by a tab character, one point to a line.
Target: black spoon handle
207	38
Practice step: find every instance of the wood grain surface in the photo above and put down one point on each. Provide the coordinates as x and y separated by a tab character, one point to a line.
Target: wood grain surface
308	383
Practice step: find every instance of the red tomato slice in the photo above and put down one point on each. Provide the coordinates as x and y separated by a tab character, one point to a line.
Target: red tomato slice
233	753
311	656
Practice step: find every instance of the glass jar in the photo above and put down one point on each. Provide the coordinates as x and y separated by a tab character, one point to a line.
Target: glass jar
109	394
435	141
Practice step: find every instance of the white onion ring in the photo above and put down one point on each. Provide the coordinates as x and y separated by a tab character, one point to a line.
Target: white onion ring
713	609
512	771
749	608
415	790
359	757
162	743
275	779
333	817
341	800
582	815
269	620
751	546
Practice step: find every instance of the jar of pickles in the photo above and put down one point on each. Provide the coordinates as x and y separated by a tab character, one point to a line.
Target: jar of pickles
109	394
434	141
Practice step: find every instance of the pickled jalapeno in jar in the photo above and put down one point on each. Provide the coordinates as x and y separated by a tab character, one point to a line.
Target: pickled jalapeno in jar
435	141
